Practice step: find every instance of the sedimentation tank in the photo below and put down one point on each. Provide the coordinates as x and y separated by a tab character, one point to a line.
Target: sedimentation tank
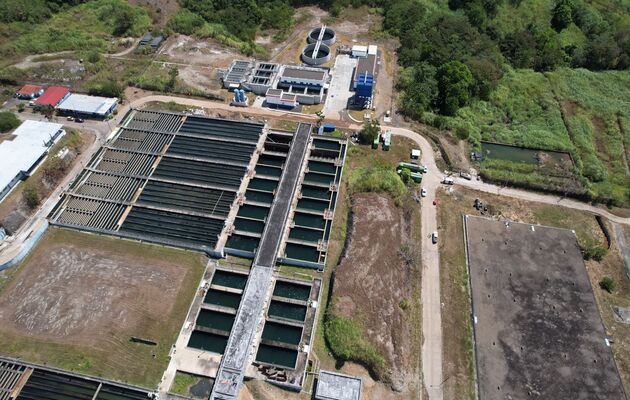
329	37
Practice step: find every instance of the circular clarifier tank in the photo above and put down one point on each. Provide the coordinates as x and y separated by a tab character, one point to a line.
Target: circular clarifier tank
322	56
329	36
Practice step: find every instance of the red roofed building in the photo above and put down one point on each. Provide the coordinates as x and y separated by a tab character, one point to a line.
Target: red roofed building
29	92
53	96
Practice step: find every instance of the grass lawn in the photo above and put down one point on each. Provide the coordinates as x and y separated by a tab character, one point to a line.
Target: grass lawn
147	303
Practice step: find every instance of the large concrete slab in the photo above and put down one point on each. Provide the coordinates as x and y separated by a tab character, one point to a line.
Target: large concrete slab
538	332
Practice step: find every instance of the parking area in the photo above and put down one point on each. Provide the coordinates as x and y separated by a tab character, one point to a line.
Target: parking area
537	328
339	92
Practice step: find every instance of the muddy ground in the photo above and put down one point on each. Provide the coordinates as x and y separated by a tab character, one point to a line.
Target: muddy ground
374	284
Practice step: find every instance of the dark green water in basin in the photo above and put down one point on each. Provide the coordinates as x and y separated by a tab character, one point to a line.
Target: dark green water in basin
267	185
260	197
255	212
314	205
282	333
249	225
301	252
314	177
286	310
316	192
318	166
308	220
229	279
245	243
327	144
215	320
497	151
222	298
306	234
208	342
276	356
267	159
270	171
292	290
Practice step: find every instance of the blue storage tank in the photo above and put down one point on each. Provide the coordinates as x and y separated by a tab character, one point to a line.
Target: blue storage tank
329	127
365	85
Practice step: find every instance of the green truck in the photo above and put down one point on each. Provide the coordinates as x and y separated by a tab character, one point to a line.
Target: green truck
387	140
376	142
412	167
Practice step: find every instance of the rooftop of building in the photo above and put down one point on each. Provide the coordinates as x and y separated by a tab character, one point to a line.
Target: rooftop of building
82	103
52	96
334	386
30	141
29	89
304	73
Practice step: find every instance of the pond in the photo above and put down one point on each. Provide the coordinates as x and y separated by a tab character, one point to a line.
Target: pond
496	151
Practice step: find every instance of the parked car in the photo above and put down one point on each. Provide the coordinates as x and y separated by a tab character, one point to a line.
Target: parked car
465	175
423	192
70	118
448	180
434	237
79	120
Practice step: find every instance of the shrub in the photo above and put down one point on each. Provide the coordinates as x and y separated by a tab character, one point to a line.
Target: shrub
345	339
596	253
462	133
8	121
107	88
369	133
186	22
31	195
608	284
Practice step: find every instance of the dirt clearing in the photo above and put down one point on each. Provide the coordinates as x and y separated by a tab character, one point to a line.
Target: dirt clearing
83	297
375	284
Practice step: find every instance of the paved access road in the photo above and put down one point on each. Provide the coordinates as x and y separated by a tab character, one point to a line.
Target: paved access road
431	306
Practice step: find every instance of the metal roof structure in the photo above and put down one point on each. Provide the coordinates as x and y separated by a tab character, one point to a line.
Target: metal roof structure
53	96
304	73
334	386
84	104
18	156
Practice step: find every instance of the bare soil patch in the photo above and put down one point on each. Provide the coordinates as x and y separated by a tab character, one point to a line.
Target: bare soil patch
201	52
83	297
159	10
374	284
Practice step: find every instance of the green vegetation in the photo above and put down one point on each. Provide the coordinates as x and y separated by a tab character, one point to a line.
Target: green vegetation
86	26
371	130
182	383
596	253
8	121
608	284
345	339
378	179
31	195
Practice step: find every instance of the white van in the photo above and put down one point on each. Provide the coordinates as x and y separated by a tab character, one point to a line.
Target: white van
447	180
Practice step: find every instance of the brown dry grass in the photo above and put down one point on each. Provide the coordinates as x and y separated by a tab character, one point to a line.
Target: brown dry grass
82	298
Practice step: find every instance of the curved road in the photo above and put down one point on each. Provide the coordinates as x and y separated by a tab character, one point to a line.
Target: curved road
431	312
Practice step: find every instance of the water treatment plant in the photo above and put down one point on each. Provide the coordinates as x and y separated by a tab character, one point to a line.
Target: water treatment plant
222	187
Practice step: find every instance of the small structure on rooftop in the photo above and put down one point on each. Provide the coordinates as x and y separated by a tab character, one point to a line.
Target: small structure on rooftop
334	386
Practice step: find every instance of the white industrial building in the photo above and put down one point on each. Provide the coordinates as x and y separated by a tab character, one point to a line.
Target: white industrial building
81	105
22	154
